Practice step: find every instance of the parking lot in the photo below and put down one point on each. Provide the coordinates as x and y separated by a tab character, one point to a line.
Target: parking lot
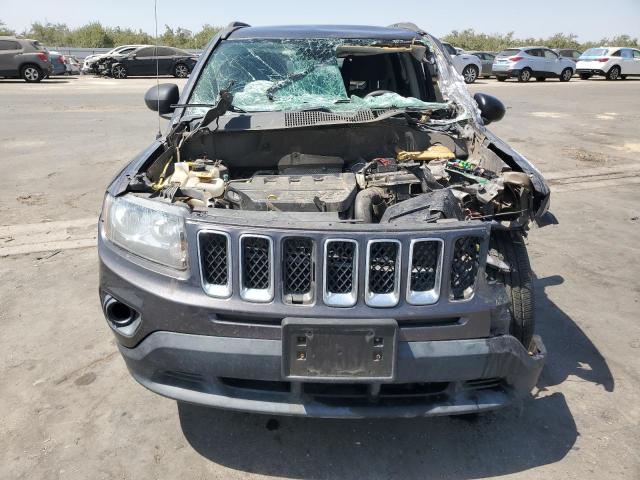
70	409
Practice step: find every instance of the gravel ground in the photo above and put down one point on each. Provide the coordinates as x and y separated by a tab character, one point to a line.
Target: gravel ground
71	410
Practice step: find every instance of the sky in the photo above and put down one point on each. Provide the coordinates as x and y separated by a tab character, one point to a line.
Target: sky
589	19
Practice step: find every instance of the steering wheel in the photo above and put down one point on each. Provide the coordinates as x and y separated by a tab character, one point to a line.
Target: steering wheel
377	93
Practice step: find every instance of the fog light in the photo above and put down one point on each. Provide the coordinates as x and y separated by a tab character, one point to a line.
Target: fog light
118	313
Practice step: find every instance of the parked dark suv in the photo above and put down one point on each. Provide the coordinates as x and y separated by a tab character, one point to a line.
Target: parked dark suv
148	60
23	58
326	229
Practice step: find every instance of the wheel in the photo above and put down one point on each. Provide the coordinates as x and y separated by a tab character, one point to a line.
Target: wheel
510	247
540	79
525	75
470	73
585	76
31	73
119	71
500	78
181	71
613	73
566	75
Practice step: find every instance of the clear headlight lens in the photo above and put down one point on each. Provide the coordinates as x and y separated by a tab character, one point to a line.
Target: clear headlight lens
146	228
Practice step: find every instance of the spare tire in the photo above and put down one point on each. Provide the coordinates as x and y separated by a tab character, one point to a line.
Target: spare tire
510	247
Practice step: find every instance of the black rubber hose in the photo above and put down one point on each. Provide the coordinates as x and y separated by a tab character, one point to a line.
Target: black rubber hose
367	204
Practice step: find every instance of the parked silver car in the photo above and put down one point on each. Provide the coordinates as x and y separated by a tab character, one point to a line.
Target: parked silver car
570	53
486	59
524	63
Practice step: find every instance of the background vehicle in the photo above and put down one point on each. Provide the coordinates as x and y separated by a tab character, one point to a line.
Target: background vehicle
89	64
72	65
486	59
467	65
58	63
570	53
145	60
611	62
312	215
23	58
527	62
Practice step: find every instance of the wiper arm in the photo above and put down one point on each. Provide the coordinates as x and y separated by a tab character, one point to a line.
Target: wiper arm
232	108
294	77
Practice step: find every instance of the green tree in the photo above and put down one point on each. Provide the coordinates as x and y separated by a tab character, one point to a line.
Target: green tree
50	34
92	35
4	30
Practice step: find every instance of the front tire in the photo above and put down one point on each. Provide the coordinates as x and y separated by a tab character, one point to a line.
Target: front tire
470	73
31	73
613	73
566	75
119	71
181	71
585	76
525	75
518	282
501	78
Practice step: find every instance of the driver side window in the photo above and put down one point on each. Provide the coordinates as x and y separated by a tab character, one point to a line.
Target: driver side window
549	55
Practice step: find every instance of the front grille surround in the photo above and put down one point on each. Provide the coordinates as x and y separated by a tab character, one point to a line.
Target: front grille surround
298	270
385	292
429	296
345	297
248	290
217	283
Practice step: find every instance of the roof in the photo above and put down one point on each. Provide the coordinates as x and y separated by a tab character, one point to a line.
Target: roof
325	31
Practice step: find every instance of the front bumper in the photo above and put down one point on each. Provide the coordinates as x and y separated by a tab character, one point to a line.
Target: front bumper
432	378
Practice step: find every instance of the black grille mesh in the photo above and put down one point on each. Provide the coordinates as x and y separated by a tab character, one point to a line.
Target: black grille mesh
256	263
214	255
340	259
382	267
297	265
424	265
464	268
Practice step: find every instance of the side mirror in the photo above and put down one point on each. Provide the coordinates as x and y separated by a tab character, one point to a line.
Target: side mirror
491	109
160	98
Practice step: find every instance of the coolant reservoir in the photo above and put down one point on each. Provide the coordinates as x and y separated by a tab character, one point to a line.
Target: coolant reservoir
201	174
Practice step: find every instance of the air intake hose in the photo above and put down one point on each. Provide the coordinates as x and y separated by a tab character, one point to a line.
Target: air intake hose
369	205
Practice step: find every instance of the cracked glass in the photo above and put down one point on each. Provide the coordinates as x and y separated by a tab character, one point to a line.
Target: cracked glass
288	74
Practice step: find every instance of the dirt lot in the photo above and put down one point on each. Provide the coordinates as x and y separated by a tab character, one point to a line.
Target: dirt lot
70	409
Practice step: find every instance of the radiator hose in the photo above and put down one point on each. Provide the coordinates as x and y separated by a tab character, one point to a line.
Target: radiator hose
369	204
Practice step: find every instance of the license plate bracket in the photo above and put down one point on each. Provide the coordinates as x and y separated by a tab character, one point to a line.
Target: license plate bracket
347	350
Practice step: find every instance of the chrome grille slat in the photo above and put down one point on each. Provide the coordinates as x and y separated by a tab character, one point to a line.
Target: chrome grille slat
425	271
297	270
256	268
214	248
382	281
340	285
464	267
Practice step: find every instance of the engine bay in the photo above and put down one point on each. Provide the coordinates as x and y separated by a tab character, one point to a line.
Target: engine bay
409	176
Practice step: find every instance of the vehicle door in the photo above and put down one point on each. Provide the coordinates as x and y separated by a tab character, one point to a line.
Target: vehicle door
166	57
487	63
9	49
636	62
141	62
627	66
552	62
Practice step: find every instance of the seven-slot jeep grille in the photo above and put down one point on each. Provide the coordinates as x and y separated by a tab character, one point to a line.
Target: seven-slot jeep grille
419	271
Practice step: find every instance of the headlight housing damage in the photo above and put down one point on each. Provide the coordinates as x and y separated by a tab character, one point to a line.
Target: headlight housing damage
148	229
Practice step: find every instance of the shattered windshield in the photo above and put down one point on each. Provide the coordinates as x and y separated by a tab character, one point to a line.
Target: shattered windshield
300	74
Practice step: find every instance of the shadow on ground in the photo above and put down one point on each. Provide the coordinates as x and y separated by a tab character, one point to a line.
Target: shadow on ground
535	432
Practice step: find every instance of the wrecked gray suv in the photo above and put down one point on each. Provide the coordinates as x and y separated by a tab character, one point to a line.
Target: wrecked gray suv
326	229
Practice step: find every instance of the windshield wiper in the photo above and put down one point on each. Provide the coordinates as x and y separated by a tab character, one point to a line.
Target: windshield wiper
288	80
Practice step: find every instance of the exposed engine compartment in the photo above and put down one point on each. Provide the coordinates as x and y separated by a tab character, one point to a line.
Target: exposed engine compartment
410	175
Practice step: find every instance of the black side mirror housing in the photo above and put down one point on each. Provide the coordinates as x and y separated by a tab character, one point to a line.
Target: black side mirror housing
160	98
491	109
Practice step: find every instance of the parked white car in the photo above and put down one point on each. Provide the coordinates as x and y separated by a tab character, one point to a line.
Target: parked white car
88	66
525	63
469	66
611	62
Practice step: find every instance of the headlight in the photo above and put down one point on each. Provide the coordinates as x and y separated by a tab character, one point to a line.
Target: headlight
146	228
